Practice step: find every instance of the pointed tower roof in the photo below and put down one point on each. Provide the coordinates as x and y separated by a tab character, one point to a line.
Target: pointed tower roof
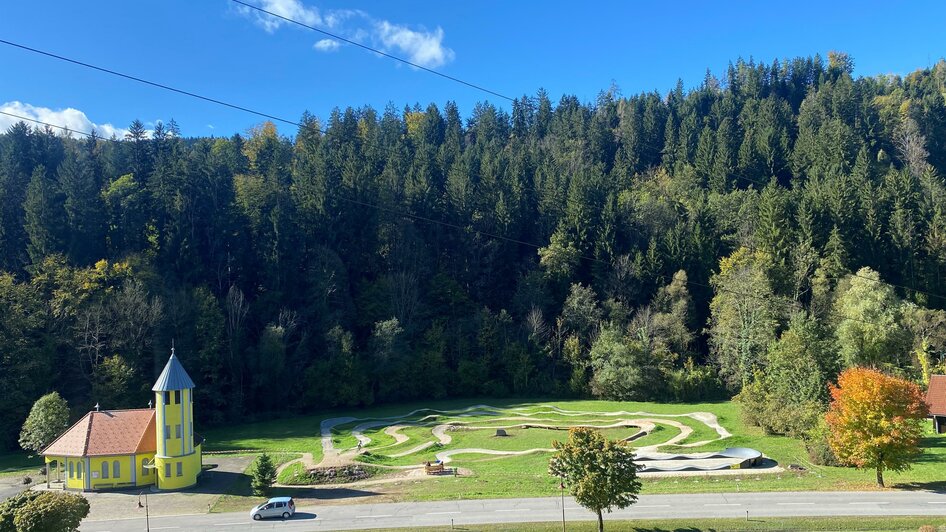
173	377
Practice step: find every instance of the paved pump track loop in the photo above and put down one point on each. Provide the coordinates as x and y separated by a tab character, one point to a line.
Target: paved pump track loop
490	418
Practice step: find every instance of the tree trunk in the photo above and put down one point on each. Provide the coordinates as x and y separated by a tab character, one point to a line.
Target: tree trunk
880	476
600	522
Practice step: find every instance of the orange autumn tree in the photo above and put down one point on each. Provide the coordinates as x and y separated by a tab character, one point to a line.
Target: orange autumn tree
876	420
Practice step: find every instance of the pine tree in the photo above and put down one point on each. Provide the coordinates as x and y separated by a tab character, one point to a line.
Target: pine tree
264	475
45	216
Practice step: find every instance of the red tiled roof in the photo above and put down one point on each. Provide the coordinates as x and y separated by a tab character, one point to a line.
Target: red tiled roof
107	433
936	395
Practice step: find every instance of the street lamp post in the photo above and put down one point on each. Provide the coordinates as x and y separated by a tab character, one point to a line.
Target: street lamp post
147	516
561	487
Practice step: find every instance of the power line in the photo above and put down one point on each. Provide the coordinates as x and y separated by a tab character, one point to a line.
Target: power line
855	274
151	83
917	290
484	233
491	235
67	129
374	50
300	125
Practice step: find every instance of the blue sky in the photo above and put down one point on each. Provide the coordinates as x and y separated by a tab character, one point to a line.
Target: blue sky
215	48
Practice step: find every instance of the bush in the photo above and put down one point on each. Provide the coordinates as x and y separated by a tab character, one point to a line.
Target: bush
51	511
9	507
775	411
819	451
263	475
693	384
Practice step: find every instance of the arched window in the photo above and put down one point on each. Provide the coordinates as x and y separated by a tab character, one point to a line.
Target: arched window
144	468
105	469
72	470
116	469
79	467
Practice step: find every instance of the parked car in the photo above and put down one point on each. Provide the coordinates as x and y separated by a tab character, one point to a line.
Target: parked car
283	507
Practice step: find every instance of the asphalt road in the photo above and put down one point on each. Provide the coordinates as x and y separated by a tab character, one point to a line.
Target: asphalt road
357	516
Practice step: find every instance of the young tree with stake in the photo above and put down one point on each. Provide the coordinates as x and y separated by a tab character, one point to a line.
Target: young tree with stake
600	473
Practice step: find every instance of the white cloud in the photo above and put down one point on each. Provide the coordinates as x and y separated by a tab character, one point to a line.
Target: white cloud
419	46
73	119
293	9
327	45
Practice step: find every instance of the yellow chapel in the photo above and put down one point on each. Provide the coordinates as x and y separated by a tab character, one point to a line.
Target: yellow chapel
115	449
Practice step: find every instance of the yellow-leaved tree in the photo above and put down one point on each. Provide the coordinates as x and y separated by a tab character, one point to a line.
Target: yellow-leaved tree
876	420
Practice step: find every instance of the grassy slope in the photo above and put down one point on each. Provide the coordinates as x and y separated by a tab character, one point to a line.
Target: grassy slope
772	524
526	475
18	464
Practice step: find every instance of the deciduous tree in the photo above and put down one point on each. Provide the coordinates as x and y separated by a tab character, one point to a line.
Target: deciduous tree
876	420
600	473
48	418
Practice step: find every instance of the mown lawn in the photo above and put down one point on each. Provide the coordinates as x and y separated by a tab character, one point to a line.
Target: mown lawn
524	476
18	464
770	524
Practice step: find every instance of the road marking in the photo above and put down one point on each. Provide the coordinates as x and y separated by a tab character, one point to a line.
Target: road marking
371	516
935	502
241	523
516	510
441	513
795	503
164	527
868	502
723	504
653	506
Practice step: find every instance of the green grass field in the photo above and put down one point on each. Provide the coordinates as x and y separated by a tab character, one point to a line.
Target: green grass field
20	464
770	524
524	476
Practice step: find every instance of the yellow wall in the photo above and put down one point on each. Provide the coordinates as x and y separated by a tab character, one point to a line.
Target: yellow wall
172	449
189	469
174	424
103	472
143	476
88	473
75	480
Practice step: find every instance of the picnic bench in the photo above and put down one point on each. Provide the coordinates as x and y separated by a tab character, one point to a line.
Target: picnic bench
435	468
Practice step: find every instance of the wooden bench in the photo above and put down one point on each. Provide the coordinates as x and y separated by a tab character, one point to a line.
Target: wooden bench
435	468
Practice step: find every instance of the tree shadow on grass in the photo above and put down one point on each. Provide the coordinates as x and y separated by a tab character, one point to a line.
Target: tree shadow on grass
321	493
661	529
934	449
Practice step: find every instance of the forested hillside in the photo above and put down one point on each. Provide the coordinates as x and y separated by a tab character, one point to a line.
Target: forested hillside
672	246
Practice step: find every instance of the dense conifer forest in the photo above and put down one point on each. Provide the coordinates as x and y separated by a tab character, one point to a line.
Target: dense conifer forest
752	236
